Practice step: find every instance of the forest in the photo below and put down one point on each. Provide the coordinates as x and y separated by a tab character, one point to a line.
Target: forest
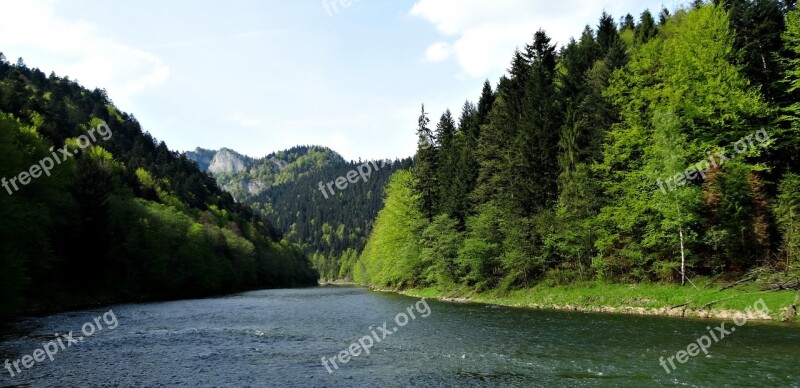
282	186
332	231
125	219
557	175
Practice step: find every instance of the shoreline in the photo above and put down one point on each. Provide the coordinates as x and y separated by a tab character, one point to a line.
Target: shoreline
778	313
338	283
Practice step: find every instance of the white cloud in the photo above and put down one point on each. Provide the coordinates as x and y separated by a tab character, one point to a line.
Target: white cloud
438	52
78	49
486	33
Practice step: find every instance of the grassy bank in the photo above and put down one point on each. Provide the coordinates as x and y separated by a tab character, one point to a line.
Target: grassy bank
645	299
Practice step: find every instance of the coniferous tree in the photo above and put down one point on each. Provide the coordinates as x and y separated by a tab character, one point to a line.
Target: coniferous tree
646	29
447	164
426	180
466	163
607	34
494	150
514	90
663	16
485	103
628	23
575	60
493	153
758	26
536	144
445	131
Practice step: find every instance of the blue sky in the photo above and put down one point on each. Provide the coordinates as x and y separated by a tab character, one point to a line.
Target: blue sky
260	76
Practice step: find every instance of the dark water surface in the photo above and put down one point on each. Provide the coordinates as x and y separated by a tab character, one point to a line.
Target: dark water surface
278	337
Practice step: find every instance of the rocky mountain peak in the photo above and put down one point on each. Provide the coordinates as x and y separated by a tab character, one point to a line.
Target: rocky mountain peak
227	161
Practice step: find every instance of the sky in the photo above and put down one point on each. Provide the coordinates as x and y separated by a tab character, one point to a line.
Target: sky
262	76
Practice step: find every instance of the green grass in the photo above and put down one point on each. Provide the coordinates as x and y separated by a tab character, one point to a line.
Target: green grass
644	295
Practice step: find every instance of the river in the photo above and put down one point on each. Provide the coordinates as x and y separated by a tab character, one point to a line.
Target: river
278	338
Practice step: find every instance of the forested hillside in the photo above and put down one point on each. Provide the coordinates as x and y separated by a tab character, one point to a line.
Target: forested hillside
118	217
651	150
284	187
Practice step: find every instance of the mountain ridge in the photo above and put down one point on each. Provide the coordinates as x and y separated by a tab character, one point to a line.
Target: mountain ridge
283	186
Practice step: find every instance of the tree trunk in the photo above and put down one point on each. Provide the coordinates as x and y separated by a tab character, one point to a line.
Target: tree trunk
683	261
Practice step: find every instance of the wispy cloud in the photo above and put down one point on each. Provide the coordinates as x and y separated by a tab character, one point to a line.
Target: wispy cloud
78	49
438	52
483	34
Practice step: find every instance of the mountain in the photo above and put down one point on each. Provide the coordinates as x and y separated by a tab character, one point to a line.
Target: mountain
95	210
284	186
245	177
202	157
224	161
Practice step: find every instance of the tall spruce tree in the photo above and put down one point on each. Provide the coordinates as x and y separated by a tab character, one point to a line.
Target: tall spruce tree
465	175
447	164
536	144
426	179
485	103
607	34
757	26
646	29
628	23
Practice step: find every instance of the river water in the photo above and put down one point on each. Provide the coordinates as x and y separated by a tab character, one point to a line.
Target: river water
277	338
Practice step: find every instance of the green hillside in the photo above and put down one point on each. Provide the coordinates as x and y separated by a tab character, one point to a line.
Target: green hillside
117	216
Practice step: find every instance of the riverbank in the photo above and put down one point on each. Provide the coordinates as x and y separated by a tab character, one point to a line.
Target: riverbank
337	283
639	299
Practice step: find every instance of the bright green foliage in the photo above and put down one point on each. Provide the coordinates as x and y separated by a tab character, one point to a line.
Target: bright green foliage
392	255
787	211
687	69
348	262
120	218
787	154
26	216
480	256
440	243
588	161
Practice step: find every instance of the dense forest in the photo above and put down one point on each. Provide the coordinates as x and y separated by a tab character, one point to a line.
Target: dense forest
284	187
659	149
116	219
